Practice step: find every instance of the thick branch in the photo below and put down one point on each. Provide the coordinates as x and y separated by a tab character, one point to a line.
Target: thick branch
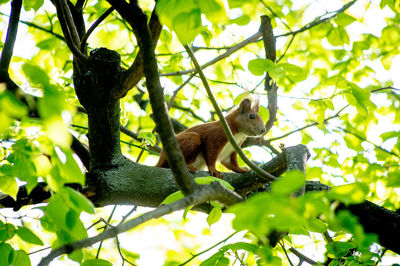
269	85
12	30
135	71
137	19
69	33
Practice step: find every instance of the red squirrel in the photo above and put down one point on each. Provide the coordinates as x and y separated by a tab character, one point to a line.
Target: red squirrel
207	143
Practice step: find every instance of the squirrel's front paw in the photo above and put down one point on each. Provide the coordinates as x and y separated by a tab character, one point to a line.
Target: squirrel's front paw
217	174
192	169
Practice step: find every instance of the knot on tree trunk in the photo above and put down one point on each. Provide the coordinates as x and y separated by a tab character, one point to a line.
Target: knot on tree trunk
99	82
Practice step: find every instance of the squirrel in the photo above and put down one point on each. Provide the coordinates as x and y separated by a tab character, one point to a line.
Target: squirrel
207	143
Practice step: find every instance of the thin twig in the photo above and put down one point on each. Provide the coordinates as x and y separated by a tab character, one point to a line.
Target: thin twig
208	249
370	142
94	26
319	20
120	252
225	125
230	51
307	126
303	257
105	228
126	216
33	25
171	101
281	243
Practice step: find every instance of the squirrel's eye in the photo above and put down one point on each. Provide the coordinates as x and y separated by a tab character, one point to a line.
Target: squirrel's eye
252	116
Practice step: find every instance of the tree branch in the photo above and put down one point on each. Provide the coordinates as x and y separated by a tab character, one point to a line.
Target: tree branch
307	126
94	26
370	142
319	20
33	25
211	192
138	21
225	125
230	51
135	71
256	38
70	32
269	85
12	30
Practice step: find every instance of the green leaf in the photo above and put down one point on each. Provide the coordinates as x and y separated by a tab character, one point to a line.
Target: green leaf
361	95
294	72
386	61
4	1
35	74
349	193
65	169
76	255
215	259
277	72
7	231
391	35
240	246
9	186
214	215
393	179
264	113
167	10
239	3
28	236
344	20
96	262
208	179
187	25
316	225
33	4
11	106
258	66
339	249
6	254
338	36
21	258
214	10
80	201
3	232
242	20
289	182
173	197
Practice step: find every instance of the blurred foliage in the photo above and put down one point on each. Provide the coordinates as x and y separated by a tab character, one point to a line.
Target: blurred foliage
341	73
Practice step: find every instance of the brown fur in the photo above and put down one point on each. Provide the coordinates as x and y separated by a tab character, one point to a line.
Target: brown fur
209	139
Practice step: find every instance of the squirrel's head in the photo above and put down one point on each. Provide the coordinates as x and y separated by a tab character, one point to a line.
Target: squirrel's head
248	120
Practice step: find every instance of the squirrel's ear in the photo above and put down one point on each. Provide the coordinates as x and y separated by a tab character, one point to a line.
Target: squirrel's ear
245	105
256	105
